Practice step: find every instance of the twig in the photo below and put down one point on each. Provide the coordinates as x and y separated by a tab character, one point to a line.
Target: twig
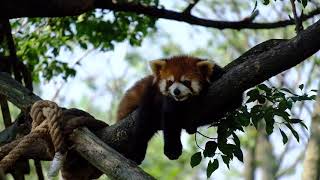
195	140
189	8
205	135
297	19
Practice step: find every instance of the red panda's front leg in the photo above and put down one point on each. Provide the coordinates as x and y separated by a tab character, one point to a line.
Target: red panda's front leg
171	131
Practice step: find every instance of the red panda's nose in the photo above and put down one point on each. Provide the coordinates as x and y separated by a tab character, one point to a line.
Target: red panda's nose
176	91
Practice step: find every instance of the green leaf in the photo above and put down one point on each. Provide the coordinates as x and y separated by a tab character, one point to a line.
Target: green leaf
284	137
314	90
266	2
261	99
282	114
226	160
238	153
293	131
195	159
303	125
226	149
289	104
244	121
293	120
210	149
313	97
283	105
264	88
304	3
236	140
301	85
269	128
212	166
253	95
287	90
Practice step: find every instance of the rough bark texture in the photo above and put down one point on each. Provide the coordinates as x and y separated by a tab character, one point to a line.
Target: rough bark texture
311	164
245	72
49	8
250	163
265	155
106	159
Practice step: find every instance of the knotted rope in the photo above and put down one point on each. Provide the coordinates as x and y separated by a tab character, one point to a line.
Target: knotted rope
46	116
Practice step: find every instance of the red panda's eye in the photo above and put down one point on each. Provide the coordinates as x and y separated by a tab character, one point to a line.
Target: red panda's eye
170	82
186	82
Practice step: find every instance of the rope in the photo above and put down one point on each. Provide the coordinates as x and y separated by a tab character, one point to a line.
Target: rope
46	116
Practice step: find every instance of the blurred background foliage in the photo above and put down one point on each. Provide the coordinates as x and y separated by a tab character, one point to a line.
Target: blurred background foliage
90	60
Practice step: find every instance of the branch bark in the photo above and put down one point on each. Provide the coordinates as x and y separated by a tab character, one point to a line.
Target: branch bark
106	159
61	8
252	68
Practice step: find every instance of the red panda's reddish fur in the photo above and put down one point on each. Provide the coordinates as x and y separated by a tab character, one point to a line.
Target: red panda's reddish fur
132	97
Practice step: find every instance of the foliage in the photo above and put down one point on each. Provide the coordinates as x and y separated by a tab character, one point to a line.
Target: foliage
263	103
40	41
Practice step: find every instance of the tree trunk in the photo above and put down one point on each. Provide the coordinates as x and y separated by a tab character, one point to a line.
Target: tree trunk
311	164
250	160
265	154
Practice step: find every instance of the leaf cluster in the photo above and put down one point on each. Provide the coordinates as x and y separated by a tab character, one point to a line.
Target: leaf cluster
41	41
265	104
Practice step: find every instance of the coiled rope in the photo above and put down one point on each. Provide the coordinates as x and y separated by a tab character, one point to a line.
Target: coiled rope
46	117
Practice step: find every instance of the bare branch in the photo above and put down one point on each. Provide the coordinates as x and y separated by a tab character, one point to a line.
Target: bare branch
155	12
55	8
189	8
297	19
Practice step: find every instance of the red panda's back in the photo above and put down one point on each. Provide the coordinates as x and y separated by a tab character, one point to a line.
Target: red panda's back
132	97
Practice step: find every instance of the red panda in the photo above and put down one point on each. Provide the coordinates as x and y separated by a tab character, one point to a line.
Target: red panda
179	77
162	98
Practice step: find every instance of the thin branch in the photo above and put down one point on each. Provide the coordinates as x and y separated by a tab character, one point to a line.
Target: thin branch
291	167
155	12
297	19
196	141
16	9
198	132
191	5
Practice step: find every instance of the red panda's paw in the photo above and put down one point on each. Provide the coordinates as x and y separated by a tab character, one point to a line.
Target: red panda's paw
173	152
191	130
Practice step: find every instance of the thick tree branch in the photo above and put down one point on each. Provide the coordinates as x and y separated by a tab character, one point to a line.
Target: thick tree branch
60	8
105	158
248	70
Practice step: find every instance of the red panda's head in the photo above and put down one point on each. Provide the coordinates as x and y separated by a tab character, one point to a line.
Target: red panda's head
181	77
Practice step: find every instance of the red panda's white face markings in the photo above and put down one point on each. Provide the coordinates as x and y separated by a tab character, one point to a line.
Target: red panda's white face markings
181	77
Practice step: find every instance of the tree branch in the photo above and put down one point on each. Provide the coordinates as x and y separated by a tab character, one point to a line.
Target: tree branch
105	158
188	18
297	19
245	74
190	6
59	8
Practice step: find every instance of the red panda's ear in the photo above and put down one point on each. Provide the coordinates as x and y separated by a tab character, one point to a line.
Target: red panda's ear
157	65
206	68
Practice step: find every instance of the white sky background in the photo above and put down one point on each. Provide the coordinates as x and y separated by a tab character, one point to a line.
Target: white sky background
103	66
